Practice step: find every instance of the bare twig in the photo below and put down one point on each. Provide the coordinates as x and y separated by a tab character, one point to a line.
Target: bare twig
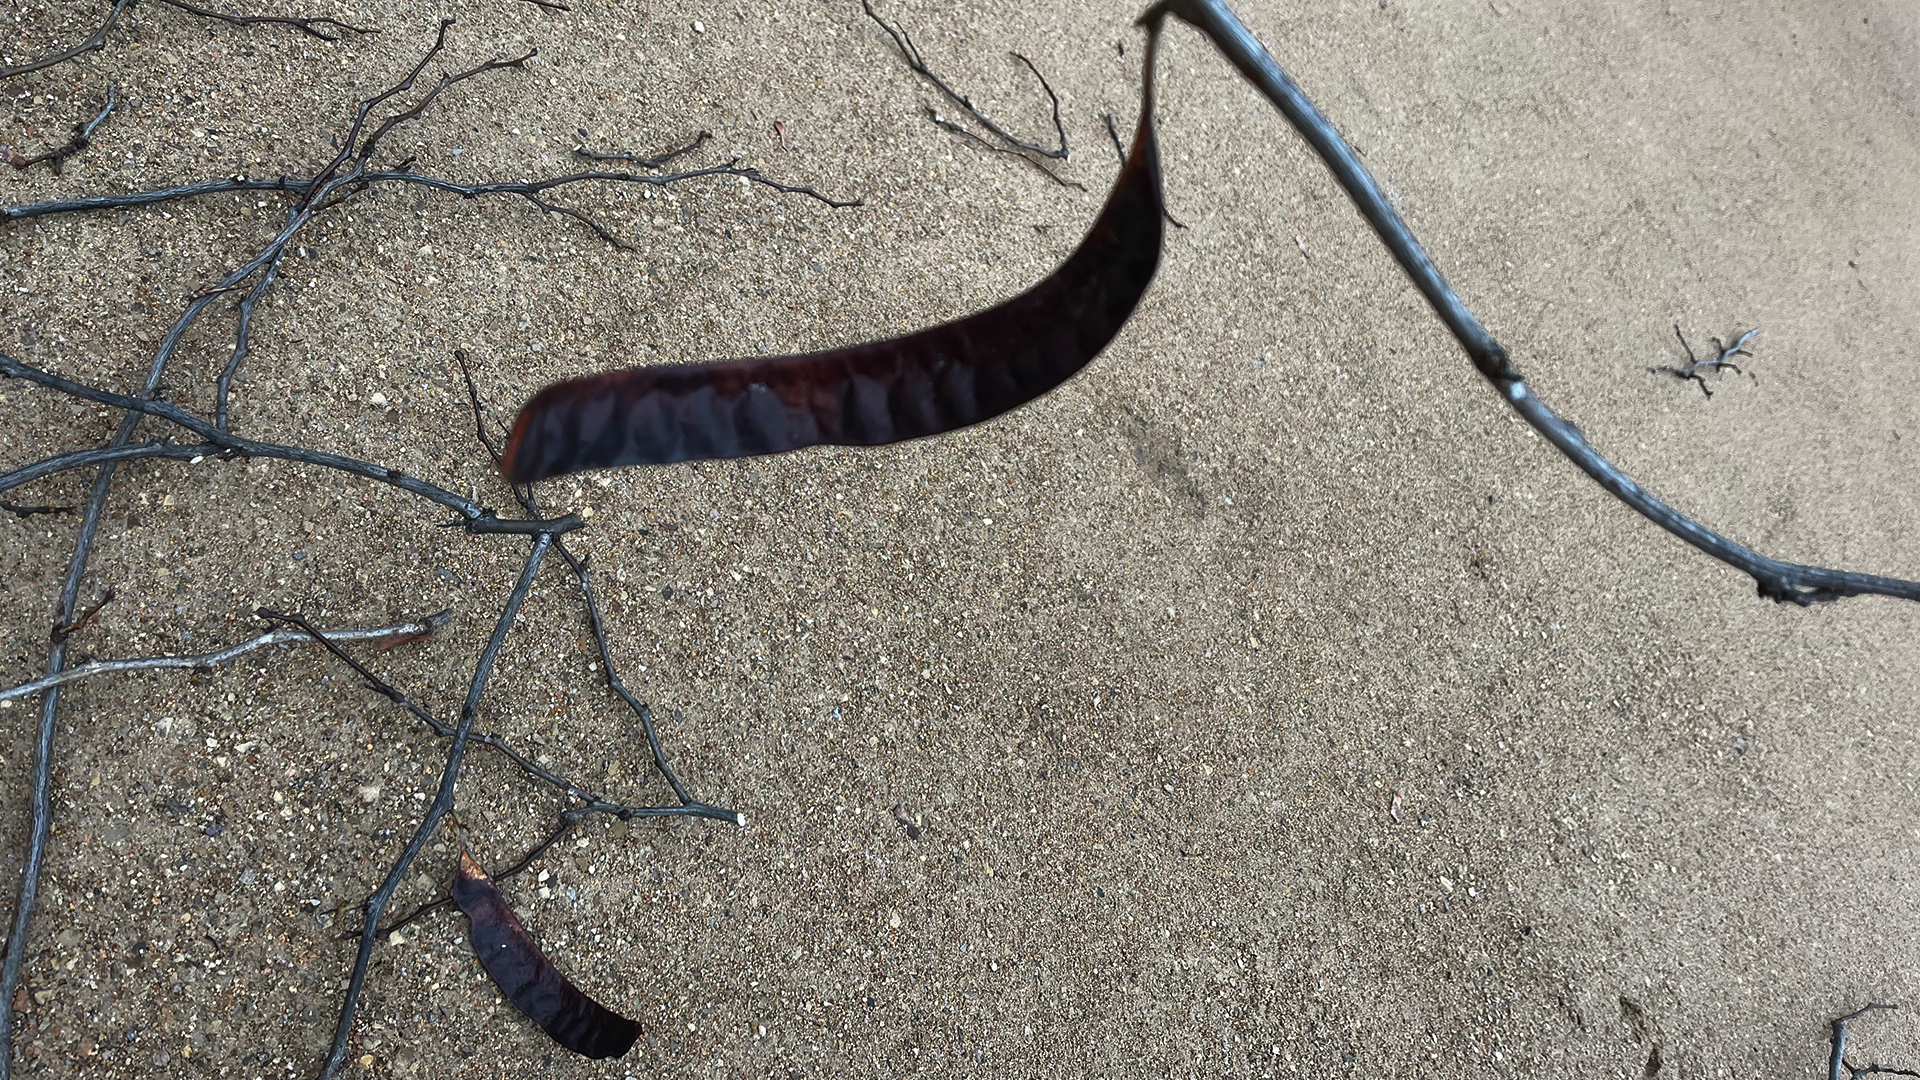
911	53
94	42
130	200
473	517
442	803
947	125
326	29
1775	579
321	27
207	661
650	162
242	338
595	623
1838	1068
1716	363
82	138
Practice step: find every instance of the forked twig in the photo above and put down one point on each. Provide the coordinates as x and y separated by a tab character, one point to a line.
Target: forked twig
442	804
322	27
82	138
918	63
1723	360
1838	1068
947	125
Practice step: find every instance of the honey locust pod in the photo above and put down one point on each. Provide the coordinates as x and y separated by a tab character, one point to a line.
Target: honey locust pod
926	383
528	978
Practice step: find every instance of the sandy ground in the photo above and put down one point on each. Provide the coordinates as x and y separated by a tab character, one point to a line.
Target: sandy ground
1273	703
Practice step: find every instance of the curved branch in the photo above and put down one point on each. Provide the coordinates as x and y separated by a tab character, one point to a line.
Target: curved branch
94	43
1776	580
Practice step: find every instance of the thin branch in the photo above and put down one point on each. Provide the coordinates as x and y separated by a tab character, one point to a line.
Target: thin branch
321	27
581	570
475	518
242	338
86	203
568	819
82	138
653	162
911	53
479	417
25	512
1775	579
93	43
591	803
945	124
81	459
207	661
366	107
1837	1066
442	803
40	800
1717	363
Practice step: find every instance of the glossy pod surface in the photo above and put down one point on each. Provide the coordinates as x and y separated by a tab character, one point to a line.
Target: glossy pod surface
529	979
925	383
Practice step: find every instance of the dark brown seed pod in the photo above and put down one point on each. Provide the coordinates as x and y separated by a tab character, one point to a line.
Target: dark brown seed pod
926	383
528	978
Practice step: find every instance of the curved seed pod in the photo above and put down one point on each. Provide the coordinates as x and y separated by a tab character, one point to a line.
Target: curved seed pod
926	383
528	978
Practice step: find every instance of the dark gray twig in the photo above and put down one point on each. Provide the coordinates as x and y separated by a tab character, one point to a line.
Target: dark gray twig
911	53
1775	579
1838	1068
652	162
130	200
40	802
593	803
474	518
376	905
945	124
25	511
242	338
94	42
321	27
82	138
1716	363
583	572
